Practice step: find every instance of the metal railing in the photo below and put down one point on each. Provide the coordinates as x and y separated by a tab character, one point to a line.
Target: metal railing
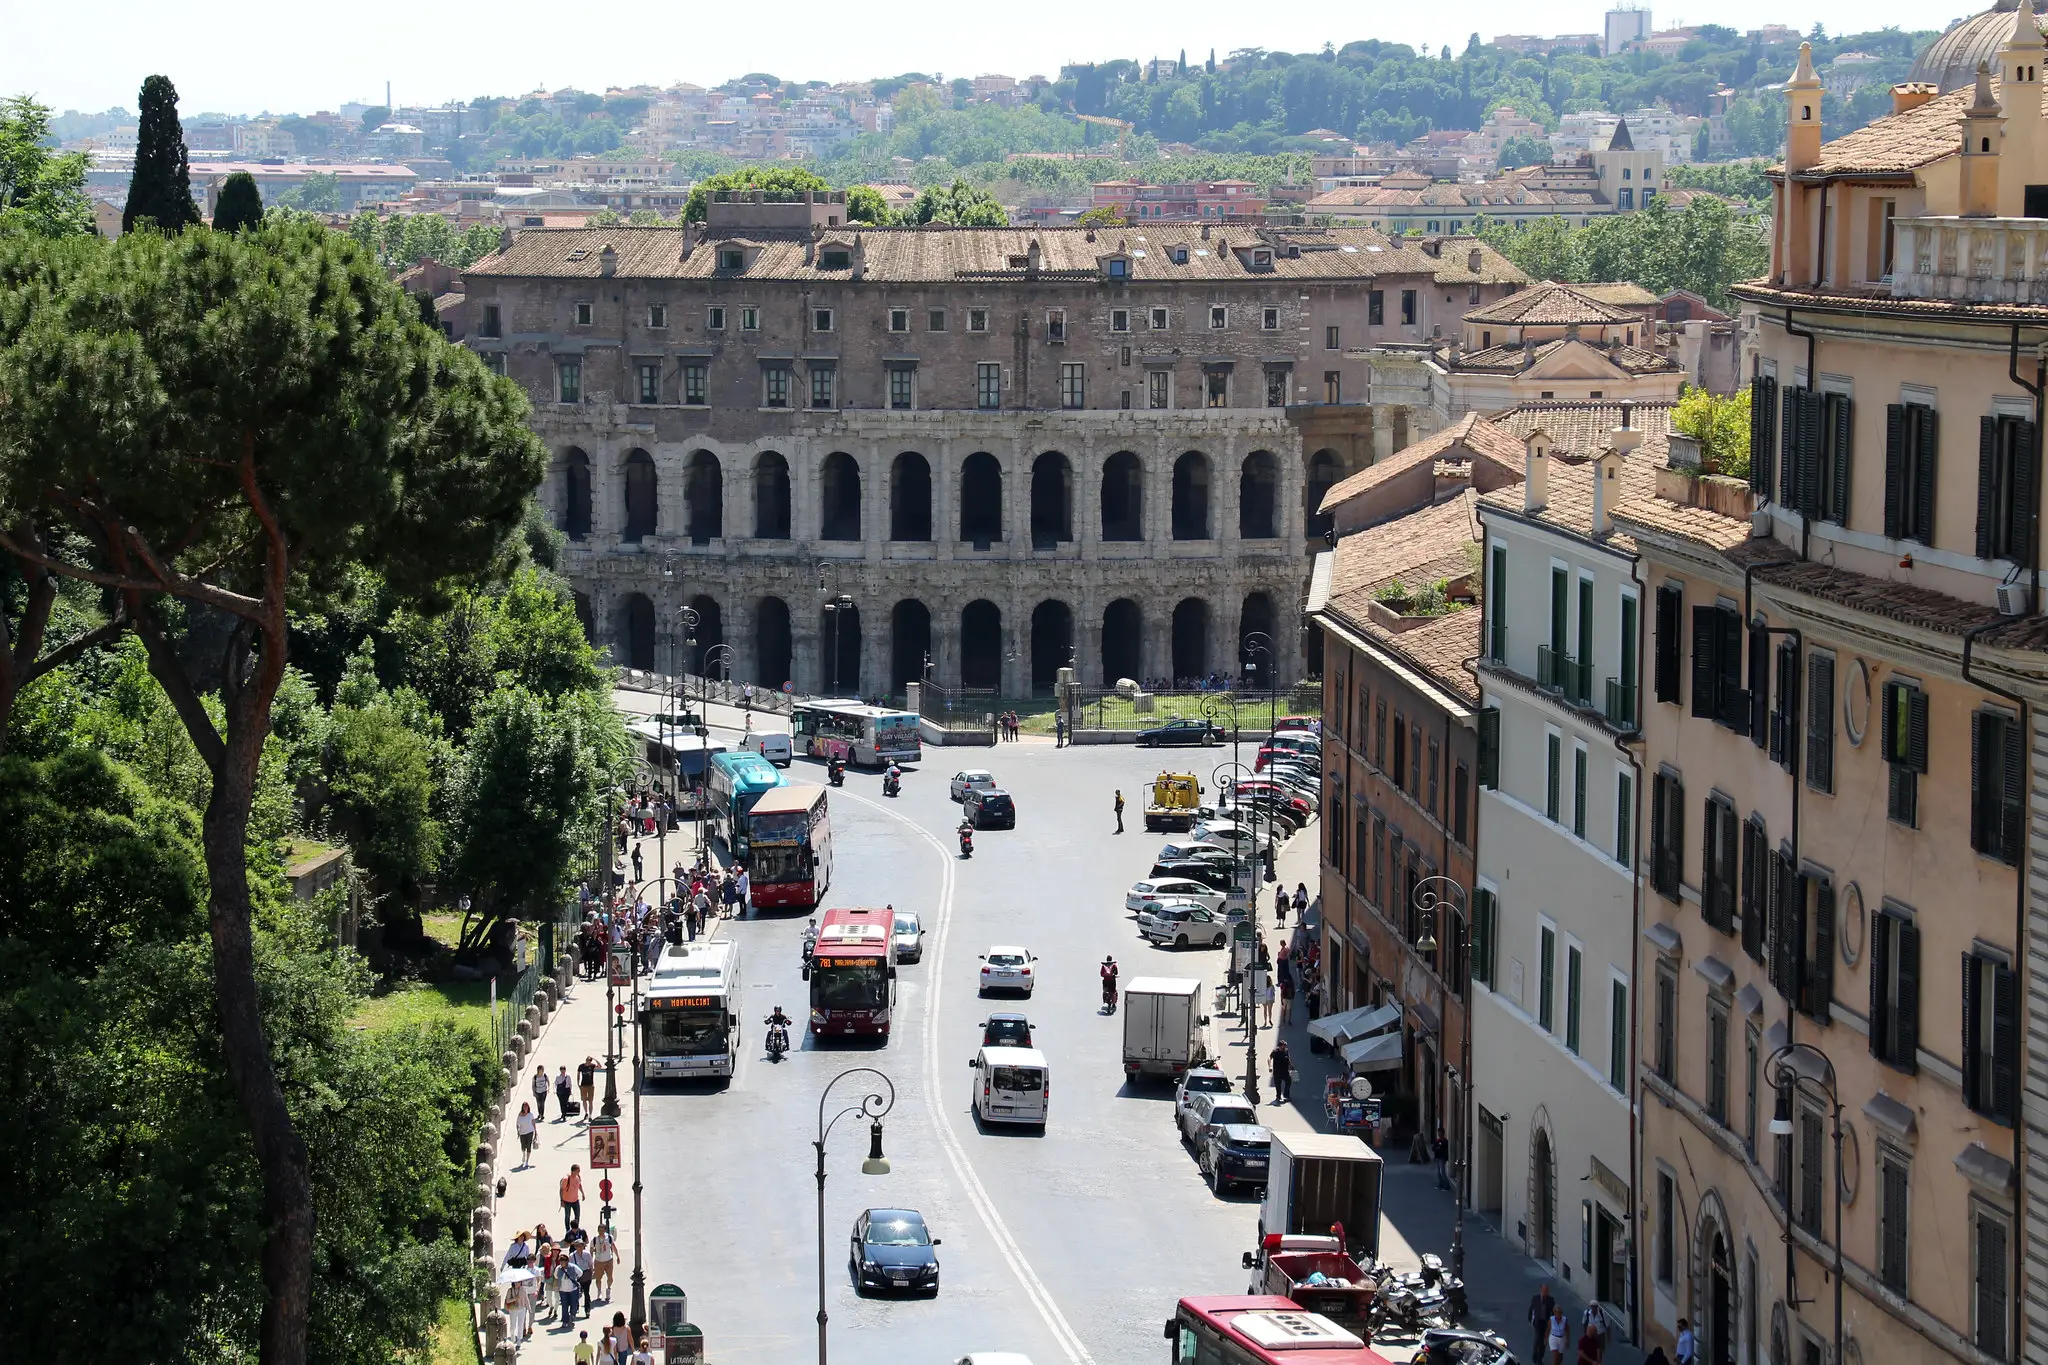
956	707
722	691
1109	709
1562	673
1621	703
540	946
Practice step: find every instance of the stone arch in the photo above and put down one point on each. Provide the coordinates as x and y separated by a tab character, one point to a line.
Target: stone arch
636	617
981	499
584	616
1191	496
1716	1283
710	635
1052	643
910	642
1190	639
1052	500
1258	658
642	487
910	497
981	644
1258	496
771	497
575	519
704	497
774	643
1123	641
839	633
1324	472
839	498
1123	497
1541	1243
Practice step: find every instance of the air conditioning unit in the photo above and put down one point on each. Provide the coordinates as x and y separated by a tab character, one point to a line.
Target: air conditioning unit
2012	599
1760	523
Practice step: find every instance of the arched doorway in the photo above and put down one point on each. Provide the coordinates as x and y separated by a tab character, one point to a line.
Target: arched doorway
704	496
1191	496
1718	1313
1542	1197
1258	496
575	518
981	645
771	497
1323	473
1258	652
1052	644
1052	500
1123	640
1190	640
910	640
710	633
839	498
981	500
1123	497
584	617
640	495
839	632
773	643
910	498
639	621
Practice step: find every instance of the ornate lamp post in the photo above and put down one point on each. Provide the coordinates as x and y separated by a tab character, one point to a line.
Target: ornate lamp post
1212	707
834	609
872	1107
1432	895
1817	1078
639	1218
1256	646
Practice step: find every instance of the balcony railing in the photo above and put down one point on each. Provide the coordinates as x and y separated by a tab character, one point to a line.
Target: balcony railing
1562	673
1621	704
1971	260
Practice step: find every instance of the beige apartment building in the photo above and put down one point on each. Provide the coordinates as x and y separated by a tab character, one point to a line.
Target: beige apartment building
1839	743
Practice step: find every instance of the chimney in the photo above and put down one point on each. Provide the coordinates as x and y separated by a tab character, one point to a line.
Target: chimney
1607	483
1802	115
607	261
692	234
1912	94
1034	257
1535	472
1472	260
1983	126
860	256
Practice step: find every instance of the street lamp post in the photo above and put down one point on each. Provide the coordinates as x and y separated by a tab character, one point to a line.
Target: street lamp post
678	680
1210	708
1788	1076
611	1054
1432	895
872	1107
717	661
1255	645
639	1219
834	609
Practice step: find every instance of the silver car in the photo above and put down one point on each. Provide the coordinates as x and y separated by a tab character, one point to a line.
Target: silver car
970	779
908	937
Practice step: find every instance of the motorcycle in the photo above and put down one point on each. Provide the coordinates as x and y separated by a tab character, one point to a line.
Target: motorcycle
1436	1278
1109	997
837	771
778	1042
966	841
891	785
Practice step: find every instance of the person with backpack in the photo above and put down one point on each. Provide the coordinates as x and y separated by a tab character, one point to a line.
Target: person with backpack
540	1093
563	1087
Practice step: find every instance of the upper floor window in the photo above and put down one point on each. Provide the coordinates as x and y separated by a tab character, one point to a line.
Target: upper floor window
1056	324
835	260
2005	487
569	381
1073	386
1269	319
977	319
1911	444
583	314
1376	307
821	319
1159	389
732	258
935	319
1217	388
1408	307
1119	319
492	326
1159	319
1219	316
648	375
902	386
775	387
899	319
750	319
1998	786
822	384
1905	748
714	319
1333	339
695	373
988	385
1991	1037
657	316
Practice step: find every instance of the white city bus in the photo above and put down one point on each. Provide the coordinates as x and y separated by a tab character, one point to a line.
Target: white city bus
856	733
691	1020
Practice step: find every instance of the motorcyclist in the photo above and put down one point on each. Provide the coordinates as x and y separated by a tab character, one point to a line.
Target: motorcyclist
893	778
836	770
1109	982
778	1020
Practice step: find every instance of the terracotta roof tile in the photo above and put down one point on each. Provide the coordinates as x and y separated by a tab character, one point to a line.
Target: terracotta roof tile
1621	293
1697	524
1468	430
1898	143
1550	305
1476	198
1903	602
1877	298
1569	505
1366	559
1628	359
1579	429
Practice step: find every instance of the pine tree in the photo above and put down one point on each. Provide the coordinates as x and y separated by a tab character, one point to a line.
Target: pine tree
1212	61
240	204
160	191
1182	69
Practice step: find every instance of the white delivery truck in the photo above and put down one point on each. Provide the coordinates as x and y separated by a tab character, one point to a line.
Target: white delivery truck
1165	1031
1316	1182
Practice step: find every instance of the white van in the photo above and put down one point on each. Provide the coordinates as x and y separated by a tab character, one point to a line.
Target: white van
1014	1085
772	745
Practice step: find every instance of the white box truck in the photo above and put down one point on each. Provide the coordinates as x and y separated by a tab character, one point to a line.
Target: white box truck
1317	1180
1165	1031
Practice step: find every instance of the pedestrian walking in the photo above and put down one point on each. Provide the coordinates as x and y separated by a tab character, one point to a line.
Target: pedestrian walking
1119	811
638	875
1300	900
586	1082
1286	996
1589	1347
604	1255
526	1127
540	1093
1440	1150
1059	730
641	1355
572	1197
1539	1321
1595	1321
604	1351
743	887
1559	1336
729	893
1688	1351
580	1258
1266	996
586	1354
700	908
1281	1066
563	1086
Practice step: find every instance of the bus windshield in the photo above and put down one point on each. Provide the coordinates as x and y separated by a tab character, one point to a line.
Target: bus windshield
686	1032
851	984
780	827
774	865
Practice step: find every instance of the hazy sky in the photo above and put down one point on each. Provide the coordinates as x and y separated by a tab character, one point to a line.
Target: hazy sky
239	58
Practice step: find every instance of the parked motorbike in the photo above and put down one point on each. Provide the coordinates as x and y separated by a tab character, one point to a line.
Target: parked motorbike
1452	1289
966	841
778	1042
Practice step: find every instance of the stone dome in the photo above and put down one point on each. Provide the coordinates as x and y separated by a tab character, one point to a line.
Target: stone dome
1950	61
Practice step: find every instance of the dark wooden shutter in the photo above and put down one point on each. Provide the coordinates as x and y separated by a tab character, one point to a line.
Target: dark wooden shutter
2020	532
1710	871
1891	699
1812	436
1734	697
1729	868
1894	470
1841	430
1763	401
1675	828
1759	686
1820	723
1927	451
1489	747
1706	635
1754	893
1982	822
1916	730
1892	1254
1657	785
1987	485
1820	977
2012	794
1788	927
1992	1269
1793	464
1973	1043
2005	1043
1670	622
1906	1002
1880	978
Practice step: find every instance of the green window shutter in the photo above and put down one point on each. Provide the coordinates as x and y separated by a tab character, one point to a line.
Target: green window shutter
1489	747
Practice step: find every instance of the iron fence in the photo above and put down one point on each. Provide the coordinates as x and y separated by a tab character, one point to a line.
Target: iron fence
956	708
691	687
537	949
1109	709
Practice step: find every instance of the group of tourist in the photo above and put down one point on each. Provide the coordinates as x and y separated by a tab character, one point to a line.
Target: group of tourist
549	1280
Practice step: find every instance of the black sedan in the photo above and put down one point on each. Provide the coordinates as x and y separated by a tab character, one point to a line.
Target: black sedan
1236	1154
892	1249
1183	730
1216	876
1006	1030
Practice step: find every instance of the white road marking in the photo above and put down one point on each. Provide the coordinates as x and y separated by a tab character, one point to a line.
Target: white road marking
1034	1289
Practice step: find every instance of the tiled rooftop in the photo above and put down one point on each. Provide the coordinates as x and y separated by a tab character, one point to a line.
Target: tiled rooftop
1579	429
1628	359
1569	504
1494	193
1550	305
1469	430
1419	549
1697	524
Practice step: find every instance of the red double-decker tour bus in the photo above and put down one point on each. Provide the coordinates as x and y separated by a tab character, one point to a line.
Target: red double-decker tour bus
853	974
1260	1329
789	845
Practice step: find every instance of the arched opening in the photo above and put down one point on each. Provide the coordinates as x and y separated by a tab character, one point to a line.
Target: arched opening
1123	497
1123	654
1312	651
584	616
1258	496
910	641
1190	640
1052	644
839	630
981	645
1258	651
704	497
575	518
1542	1197
1323	473
771	497
981	499
639	614
710	633
839	498
640	490
1719	1312
1052	500
910	498
1191	496
773	643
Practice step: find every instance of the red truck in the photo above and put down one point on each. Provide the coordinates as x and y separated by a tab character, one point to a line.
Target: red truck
1316	1273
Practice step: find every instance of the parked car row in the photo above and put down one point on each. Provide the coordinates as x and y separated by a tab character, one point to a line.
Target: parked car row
1222	1129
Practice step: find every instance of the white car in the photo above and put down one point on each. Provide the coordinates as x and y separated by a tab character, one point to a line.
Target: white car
1182	925
1198	1080
908	939
1203	1110
971	779
1145	895
1190	847
1229	834
1006	968
1150	917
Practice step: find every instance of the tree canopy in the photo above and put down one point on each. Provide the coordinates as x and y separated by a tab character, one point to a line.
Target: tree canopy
160	190
41	191
240	204
1703	247
960	204
863	205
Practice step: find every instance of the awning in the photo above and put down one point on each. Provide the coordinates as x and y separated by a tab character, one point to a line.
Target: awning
1339	1029
1379	1053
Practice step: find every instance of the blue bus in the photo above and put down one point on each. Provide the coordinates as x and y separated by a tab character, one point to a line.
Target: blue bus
732	784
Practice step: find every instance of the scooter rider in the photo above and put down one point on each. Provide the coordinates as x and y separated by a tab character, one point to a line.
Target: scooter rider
892	779
836	770
966	836
810	939
1109	982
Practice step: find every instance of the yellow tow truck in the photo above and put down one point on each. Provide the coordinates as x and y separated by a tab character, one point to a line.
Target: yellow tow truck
1175	802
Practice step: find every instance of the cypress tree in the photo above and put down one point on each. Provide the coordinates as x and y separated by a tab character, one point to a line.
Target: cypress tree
160	191
240	204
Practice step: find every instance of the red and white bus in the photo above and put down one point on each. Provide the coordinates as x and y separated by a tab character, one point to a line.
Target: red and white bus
789	846
853	974
1261	1329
